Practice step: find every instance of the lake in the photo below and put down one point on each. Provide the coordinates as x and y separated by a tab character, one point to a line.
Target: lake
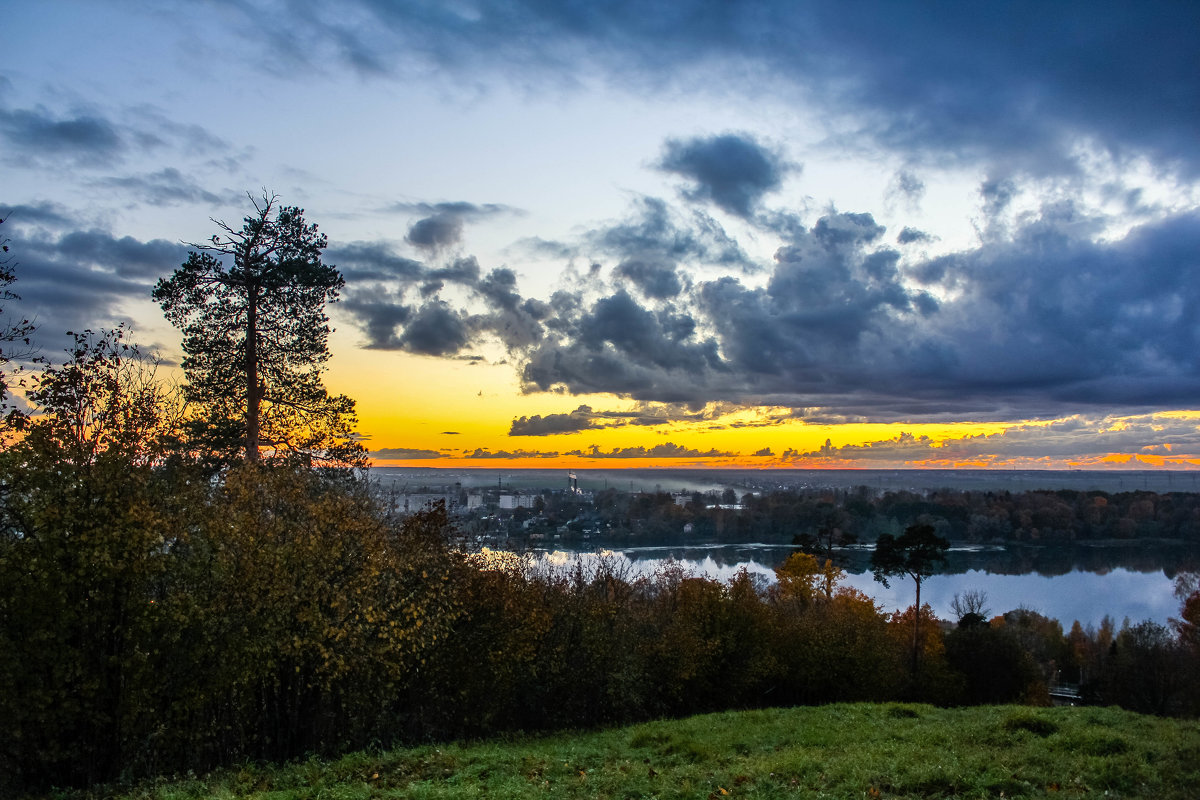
1083	583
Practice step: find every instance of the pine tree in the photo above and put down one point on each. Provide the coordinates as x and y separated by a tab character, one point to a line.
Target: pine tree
251	305
917	553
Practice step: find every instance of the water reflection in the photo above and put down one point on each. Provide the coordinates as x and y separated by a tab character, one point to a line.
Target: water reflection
1084	583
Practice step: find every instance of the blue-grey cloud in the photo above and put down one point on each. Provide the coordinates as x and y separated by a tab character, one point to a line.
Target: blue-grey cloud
731	170
95	138
1021	84
435	232
441	224
909	235
460	208
38	133
1039	322
374	261
79	279
655	280
908	187
47	214
166	187
435	329
125	257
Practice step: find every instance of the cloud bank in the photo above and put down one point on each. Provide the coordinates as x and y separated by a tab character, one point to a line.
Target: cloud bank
1021	84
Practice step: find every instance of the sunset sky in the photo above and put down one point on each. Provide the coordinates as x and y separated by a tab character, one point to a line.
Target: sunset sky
600	234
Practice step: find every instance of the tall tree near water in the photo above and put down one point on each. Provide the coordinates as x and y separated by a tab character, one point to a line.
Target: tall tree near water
251	305
917	553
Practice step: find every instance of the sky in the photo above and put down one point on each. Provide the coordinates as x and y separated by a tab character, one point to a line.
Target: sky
685	233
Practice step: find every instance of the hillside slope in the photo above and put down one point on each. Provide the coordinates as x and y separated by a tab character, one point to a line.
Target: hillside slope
836	751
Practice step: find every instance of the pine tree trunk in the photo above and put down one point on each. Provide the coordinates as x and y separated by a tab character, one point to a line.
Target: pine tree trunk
917	634
252	391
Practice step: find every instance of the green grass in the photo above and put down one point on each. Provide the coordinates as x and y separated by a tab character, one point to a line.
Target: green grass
837	751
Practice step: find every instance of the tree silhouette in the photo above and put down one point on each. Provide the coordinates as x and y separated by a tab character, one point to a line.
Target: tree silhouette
251	305
917	553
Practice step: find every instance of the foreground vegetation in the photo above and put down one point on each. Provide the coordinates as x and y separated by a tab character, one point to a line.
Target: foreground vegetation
850	751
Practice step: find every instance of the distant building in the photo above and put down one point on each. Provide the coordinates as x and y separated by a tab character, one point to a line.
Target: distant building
508	502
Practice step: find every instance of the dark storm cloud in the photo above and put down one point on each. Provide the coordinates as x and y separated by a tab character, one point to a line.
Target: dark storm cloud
584	418
166	187
379	313
405	453
657	281
550	424
1080	321
483	452
1018	83
515	321
1039	319
619	343
664	450
1033	324
732	170
435	329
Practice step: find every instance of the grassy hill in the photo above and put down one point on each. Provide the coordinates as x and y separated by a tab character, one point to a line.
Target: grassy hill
836	751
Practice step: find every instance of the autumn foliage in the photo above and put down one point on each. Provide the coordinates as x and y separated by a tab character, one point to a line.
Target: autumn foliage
159	619
157	616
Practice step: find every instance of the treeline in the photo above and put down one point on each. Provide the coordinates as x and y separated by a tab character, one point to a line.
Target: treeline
1041	517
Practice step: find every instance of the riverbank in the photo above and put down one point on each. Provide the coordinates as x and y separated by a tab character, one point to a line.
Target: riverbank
836	751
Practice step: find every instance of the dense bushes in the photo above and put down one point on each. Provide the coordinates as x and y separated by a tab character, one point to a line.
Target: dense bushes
157	620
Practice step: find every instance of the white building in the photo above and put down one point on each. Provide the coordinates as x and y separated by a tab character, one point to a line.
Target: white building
508	502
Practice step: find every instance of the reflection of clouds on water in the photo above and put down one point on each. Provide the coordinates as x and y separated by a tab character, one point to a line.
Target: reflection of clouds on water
1076	595
640	566
709	567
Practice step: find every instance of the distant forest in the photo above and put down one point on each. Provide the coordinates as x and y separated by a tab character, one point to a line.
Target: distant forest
862	514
